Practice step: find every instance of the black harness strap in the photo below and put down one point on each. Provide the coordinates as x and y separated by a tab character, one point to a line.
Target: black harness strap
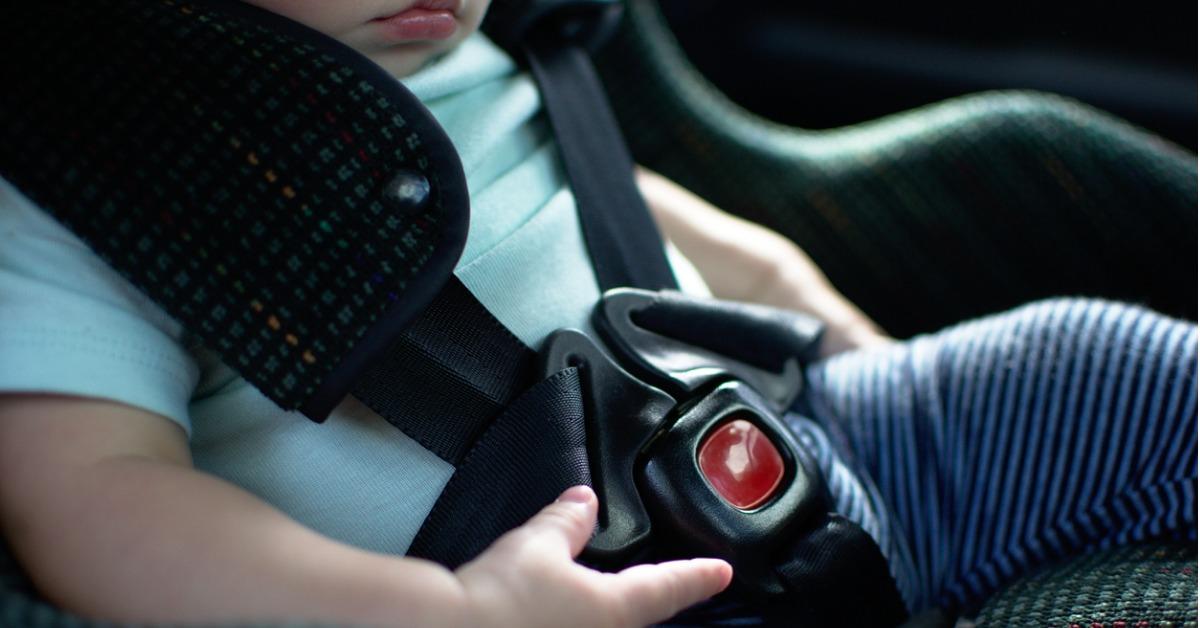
624	243
453	371
835	571
529	454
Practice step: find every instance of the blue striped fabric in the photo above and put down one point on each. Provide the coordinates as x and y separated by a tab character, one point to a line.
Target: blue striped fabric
1010	441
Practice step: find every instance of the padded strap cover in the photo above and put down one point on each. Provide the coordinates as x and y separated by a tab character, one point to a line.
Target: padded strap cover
276	192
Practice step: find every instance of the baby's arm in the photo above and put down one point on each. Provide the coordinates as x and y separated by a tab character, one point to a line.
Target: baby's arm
100	502
744	261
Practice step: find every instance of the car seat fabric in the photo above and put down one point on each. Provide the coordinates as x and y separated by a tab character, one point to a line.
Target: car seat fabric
1152	584
115	131
932	216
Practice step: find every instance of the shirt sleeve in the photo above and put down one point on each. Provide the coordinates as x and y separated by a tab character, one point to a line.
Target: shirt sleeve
71	325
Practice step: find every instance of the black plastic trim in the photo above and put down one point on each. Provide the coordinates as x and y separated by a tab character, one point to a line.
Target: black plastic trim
752	541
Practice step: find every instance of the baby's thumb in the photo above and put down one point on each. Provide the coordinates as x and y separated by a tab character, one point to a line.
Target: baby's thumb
568	522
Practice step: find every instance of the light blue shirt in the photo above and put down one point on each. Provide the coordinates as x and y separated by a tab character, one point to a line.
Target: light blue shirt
71	325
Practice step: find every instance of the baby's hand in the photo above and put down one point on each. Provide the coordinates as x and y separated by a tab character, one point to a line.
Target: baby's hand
529	577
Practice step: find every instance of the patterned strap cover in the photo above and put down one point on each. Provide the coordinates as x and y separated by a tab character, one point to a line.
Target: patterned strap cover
281	196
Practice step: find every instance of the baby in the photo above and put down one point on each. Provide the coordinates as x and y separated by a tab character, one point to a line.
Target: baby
103	506
129	492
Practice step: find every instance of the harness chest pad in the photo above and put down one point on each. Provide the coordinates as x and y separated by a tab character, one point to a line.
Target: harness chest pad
278	194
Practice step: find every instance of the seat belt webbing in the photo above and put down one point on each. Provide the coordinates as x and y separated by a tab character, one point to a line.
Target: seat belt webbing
623	241
529	454
452	371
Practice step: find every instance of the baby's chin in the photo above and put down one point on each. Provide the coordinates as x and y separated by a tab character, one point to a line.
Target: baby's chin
403	60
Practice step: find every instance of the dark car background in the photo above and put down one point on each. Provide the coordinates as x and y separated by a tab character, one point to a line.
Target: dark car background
820	65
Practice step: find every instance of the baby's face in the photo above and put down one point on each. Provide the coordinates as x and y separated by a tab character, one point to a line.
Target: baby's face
400	35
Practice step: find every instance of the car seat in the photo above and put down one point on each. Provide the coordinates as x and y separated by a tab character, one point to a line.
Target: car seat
838	194
931	216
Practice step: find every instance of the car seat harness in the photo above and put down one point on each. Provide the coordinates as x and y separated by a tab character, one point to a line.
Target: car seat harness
299	212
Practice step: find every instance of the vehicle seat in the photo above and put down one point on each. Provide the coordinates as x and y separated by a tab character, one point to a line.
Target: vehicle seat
932	216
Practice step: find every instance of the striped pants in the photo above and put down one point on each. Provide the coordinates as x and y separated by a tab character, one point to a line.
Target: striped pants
978	453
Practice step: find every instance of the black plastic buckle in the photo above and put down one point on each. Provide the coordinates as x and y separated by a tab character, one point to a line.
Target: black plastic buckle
645	430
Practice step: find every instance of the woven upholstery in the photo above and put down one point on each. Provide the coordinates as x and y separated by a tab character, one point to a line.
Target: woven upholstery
933	216
1144	586
244	181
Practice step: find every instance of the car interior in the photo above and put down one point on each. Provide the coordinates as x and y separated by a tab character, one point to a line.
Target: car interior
937	165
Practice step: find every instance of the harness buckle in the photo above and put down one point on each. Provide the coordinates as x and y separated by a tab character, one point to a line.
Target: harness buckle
686	442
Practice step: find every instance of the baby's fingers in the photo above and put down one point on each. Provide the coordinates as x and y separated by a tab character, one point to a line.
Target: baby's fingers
656	592
563	526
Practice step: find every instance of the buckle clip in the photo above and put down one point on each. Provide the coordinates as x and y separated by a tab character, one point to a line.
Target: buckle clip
674	441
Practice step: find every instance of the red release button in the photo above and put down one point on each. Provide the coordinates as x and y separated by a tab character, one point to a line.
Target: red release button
741	463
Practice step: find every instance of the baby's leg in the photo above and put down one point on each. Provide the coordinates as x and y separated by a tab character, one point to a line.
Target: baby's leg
1010	441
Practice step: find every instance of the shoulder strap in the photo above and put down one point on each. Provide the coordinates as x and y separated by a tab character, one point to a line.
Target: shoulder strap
554	37
278	194
623	241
